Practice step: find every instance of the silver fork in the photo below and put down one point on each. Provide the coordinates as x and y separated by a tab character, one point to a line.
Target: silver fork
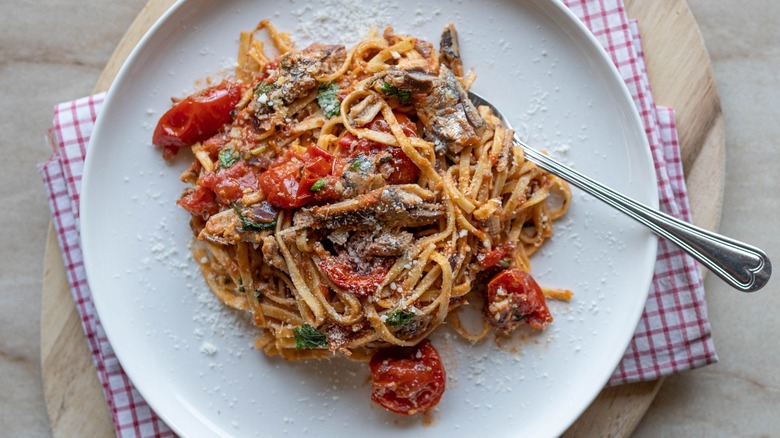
743	266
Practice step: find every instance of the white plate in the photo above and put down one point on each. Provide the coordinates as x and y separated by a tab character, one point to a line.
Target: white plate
538	64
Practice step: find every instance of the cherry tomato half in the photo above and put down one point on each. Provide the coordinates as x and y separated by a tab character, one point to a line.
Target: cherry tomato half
489	259
196	118
514	296
404	171
343	276
200	202
407	380
281	185
380	124
288	183
230	184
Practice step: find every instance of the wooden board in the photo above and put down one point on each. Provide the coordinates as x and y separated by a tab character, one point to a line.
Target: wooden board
680	76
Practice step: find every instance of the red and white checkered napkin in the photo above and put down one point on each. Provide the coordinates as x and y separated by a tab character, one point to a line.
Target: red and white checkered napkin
673	334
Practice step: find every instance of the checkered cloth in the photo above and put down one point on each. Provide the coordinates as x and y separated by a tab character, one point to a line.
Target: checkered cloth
673	334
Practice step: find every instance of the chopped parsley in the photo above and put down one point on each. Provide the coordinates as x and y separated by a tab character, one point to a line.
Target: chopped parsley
391	90
361	163
399	318
319	185
263	88
307	337
228	157
285	62
326	97
249	224
505	263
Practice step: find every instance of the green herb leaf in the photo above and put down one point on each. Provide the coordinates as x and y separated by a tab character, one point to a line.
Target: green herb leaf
399	318
319	185
228	157
326	97
263	88
285	62
391	90
361	163
307	337
249	224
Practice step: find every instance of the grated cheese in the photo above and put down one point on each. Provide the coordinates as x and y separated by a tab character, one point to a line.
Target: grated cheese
344	22
208	349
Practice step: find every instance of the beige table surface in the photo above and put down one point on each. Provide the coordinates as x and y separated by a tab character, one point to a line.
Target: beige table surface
46	59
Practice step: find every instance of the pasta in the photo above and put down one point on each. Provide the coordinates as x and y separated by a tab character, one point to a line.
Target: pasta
353	200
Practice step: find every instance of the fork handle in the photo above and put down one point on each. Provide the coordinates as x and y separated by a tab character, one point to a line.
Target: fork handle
743	266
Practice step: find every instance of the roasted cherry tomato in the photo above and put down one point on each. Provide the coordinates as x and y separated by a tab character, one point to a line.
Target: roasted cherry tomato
230	184
215	143
281	185
407	380
199	202
347	278
404	171
196	118
288	184
381	125
489	259
513	297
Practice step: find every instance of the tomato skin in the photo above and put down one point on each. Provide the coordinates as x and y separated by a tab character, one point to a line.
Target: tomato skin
318	164
489	259
280	185
230	184
343	276
514	296
407	380
380	124
404	169
200	202
196	118
288	183
215	143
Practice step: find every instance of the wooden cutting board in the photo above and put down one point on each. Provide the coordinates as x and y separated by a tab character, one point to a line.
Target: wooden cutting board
680	76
